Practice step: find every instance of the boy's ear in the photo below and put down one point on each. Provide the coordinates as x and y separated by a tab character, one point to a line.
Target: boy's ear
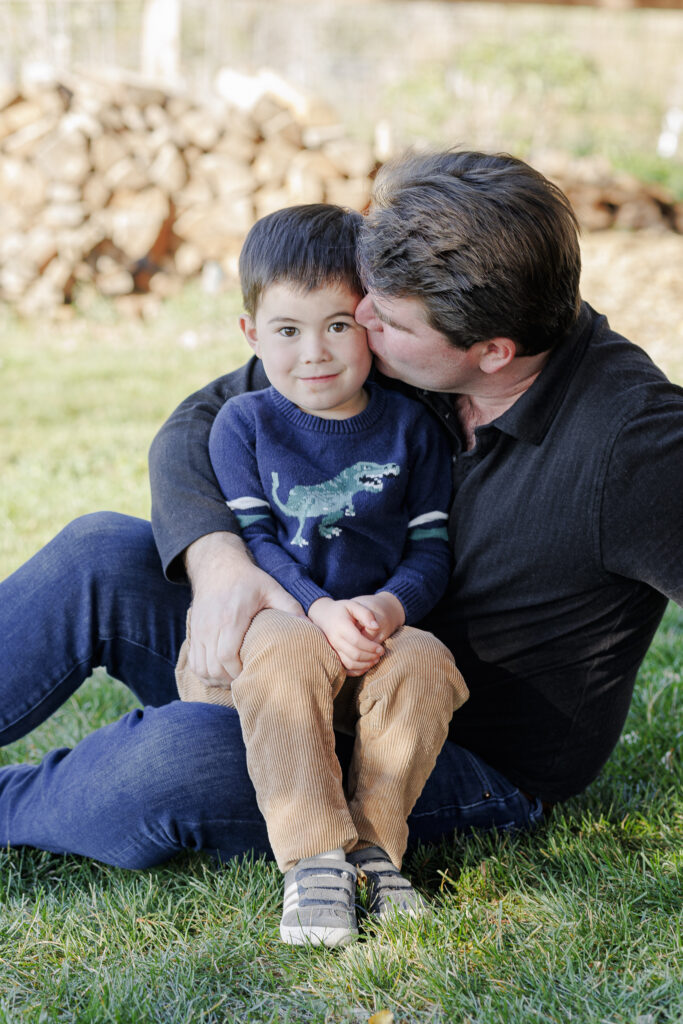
248	328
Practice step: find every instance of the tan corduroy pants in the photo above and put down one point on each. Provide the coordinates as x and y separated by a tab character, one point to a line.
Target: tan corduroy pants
291	688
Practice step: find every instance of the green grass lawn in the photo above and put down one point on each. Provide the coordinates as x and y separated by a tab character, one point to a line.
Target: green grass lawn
579	922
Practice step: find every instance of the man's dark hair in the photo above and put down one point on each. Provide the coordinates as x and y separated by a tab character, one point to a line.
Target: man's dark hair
306	246
487	242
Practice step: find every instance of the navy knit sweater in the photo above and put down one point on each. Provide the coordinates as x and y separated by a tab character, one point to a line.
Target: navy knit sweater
339	508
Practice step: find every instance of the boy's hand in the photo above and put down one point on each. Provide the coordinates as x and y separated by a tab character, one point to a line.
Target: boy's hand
388	611
349	627
228	591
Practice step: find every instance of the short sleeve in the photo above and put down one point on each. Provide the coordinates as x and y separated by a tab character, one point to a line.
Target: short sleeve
641	521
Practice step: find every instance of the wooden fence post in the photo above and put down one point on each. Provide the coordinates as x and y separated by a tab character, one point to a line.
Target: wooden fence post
160	52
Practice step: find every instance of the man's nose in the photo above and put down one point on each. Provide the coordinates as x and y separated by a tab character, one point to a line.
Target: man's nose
365	315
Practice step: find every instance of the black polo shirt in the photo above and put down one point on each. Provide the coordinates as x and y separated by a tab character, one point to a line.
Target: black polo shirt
566	528
567	525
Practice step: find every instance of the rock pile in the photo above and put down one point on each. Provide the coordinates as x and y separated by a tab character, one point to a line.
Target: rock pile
132	189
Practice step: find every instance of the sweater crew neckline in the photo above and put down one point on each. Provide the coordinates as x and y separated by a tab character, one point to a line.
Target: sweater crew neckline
362	421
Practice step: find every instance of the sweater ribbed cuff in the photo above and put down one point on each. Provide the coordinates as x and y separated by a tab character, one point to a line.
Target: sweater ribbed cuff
415	602
306	592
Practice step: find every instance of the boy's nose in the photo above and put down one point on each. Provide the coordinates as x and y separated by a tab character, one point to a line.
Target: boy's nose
314	349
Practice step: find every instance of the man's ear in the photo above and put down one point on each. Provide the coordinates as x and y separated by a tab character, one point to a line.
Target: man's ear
496	353
248	328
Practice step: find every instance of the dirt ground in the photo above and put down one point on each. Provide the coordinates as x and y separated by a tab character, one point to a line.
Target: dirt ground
637	280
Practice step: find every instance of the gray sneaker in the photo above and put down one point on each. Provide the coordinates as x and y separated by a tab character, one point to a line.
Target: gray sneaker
319	903
388	891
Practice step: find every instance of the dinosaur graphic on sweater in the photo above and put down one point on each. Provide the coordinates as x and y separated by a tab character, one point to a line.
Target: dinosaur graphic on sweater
333	498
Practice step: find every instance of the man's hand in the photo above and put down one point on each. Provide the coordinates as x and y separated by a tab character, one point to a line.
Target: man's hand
349	627
228	591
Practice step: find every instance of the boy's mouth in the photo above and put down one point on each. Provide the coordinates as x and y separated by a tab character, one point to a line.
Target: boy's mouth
325	376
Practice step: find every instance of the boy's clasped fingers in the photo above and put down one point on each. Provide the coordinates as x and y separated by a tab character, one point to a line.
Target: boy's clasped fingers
357	652
344	623
355	635
356	663
363	616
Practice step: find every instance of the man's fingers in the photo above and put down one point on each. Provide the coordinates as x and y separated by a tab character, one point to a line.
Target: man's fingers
196	658
205	664
228	648
212	653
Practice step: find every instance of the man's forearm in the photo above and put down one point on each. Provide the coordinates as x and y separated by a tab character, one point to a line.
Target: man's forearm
216	553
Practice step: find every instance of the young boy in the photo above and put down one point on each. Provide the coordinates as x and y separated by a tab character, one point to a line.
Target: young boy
341	489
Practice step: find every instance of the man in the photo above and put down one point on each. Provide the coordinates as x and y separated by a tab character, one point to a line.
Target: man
566	523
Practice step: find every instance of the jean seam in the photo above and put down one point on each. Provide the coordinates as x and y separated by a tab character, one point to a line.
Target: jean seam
44	697
136	643
11	724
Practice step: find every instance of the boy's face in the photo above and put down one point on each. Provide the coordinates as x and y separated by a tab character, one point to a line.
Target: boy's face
314	352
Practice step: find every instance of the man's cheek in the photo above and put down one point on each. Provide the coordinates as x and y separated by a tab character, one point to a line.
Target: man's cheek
375	339
386	368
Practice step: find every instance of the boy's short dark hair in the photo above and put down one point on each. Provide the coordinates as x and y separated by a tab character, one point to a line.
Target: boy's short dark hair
487	243
307	246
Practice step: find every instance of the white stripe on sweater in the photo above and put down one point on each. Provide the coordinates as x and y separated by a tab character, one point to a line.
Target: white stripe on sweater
427	517
241	503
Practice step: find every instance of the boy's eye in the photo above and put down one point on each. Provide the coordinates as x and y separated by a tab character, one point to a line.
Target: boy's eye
338	327
288	332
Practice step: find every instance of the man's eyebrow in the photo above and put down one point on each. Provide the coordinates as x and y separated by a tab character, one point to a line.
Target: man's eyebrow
388	321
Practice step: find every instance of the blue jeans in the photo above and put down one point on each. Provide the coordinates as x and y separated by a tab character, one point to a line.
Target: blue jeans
169	776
